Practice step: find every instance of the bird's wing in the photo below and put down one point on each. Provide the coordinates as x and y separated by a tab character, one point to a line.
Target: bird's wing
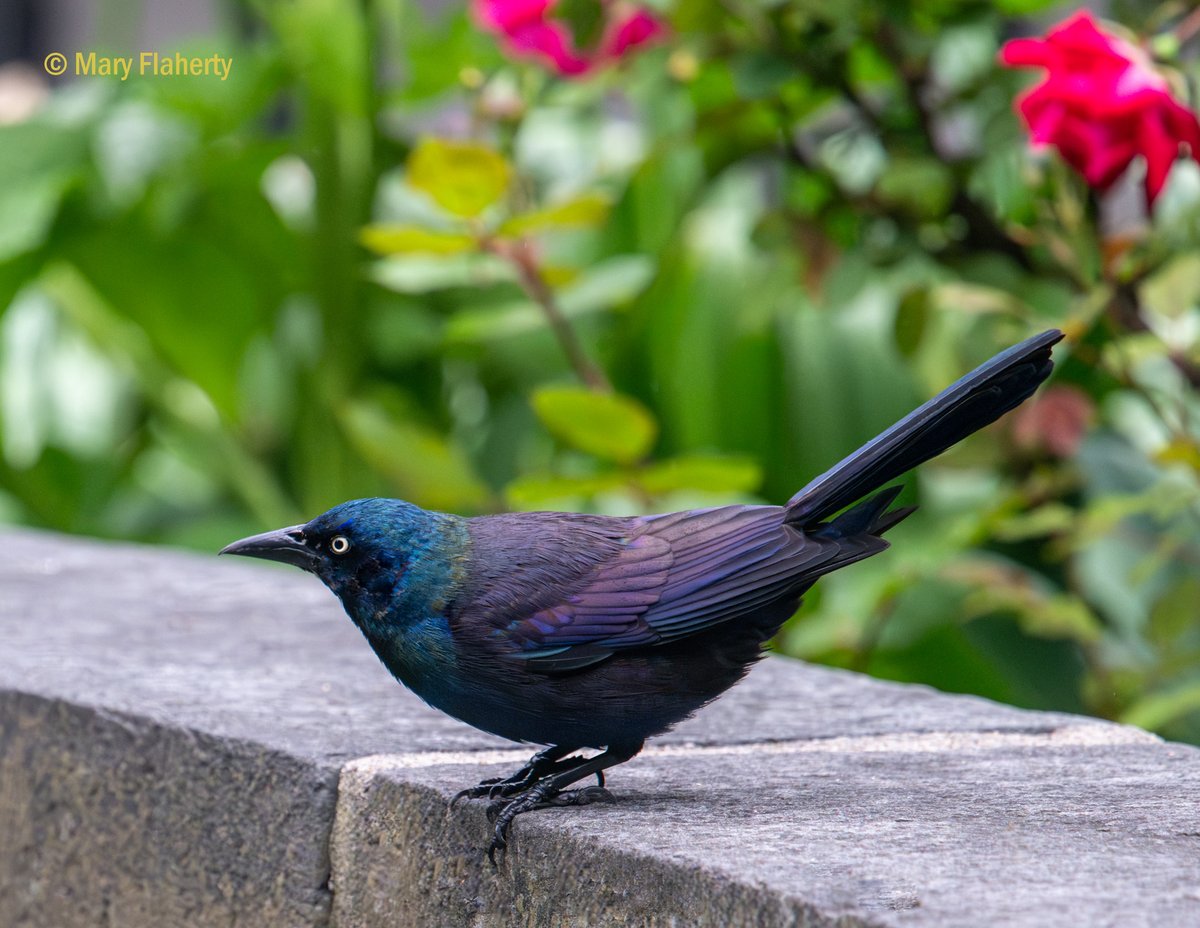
675	575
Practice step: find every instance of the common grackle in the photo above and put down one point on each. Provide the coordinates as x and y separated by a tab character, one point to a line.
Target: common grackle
579	631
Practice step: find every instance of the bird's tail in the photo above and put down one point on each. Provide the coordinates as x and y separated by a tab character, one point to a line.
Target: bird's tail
978	399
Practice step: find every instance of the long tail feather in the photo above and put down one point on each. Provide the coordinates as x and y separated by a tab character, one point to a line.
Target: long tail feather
976	400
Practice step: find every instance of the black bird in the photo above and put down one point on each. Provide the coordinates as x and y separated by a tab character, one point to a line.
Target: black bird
578	631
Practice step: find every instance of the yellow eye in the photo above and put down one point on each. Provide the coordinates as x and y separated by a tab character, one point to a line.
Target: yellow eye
339	544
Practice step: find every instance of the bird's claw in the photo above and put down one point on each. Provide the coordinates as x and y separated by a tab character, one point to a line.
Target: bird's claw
498	844
500	790
541	784
497	789
501	812
491	788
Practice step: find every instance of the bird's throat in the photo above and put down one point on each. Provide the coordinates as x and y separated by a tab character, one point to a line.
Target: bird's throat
413	587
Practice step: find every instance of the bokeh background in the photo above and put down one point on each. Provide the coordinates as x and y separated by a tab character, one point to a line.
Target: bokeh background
390	255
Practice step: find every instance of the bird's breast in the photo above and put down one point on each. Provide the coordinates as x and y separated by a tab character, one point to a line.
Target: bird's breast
424	657
419	654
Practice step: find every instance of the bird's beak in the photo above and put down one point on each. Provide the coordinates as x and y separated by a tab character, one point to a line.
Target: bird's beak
284	544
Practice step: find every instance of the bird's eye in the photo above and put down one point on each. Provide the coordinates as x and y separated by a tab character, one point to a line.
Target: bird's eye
339	544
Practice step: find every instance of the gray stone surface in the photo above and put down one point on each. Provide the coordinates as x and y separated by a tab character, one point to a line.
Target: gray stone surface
112	819
1086	825
185	741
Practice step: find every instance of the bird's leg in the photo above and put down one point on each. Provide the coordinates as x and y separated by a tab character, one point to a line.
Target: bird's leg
542	763
548	792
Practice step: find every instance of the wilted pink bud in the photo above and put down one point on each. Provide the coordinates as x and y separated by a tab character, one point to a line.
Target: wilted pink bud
1054	422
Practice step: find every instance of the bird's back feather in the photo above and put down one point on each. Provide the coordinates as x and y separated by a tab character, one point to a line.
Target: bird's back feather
574	590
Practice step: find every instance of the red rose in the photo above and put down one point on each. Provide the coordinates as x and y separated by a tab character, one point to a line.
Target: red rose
529	31
1102	104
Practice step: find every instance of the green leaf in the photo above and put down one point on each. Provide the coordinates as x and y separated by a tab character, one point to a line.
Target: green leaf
436	44
38	163
1174	289
464	178
26	214
607	283
585	19
32	149
964	54
400	331
912	319
423	466
1063	616
1022	7
590	209
1159	709
1047	519
398	239
996	585
424	273
608	425
707	472
920	186
758	74
196	299
1175	612
543	490
490	323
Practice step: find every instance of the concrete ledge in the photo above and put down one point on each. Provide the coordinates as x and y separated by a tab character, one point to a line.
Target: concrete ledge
109	819
187	742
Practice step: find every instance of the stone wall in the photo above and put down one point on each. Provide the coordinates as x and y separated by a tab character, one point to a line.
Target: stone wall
187	742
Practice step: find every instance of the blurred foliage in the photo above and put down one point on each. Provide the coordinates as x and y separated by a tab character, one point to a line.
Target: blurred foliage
381	260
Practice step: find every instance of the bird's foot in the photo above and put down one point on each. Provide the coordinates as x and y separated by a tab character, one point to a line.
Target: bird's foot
501	812
523	779
493	788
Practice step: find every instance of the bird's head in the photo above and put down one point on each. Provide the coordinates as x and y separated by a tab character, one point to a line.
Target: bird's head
364	550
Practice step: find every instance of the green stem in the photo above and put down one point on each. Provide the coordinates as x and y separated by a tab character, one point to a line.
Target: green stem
521	255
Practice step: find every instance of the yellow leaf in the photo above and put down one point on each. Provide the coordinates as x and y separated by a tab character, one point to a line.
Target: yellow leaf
1180	451
559	275
709	473
590	209
398	240
464	178
539	491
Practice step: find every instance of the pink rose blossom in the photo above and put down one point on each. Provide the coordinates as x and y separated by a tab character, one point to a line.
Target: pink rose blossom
1102	104
530	31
